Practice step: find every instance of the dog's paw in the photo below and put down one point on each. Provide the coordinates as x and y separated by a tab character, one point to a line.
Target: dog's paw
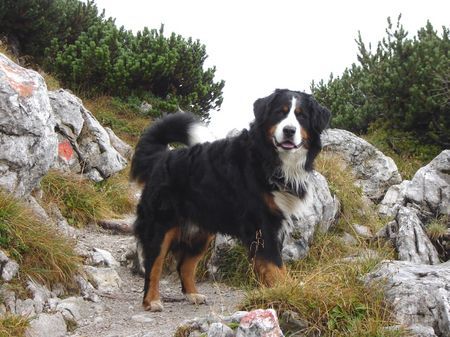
195	298
154	306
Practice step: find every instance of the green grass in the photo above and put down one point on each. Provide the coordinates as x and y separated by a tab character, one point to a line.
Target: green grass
42	253
122	117
13	326
438	227
407	151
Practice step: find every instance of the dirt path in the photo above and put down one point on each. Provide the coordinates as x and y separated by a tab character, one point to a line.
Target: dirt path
121	313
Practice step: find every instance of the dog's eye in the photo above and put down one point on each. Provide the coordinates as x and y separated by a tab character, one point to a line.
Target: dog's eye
298	111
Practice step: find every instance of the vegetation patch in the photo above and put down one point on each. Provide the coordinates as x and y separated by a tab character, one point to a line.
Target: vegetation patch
122	117
13	326
81	201
326	288
42	253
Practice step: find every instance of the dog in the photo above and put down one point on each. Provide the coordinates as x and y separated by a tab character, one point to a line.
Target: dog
245	186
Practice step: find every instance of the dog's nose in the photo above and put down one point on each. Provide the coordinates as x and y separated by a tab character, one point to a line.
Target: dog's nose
289	131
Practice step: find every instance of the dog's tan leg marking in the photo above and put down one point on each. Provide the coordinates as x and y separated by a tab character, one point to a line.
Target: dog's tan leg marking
187	274
268	273
152	300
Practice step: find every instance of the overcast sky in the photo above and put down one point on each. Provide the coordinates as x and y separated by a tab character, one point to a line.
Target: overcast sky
258	46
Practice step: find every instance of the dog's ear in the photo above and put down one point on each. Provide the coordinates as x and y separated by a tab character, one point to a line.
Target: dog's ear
261	105
321	116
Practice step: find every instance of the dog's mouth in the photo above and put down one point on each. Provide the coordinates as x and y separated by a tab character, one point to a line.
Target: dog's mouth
287	144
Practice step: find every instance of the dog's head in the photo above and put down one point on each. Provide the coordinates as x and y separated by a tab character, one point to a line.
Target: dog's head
291	119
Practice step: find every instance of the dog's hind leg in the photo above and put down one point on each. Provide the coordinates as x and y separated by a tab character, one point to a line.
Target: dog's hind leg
187	266
154	266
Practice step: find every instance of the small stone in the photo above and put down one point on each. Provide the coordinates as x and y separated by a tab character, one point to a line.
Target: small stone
45	325
104	279
220	330
25	307
9	270
362	231
103	258
259	323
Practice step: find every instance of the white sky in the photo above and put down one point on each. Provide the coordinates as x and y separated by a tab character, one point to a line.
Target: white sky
258	46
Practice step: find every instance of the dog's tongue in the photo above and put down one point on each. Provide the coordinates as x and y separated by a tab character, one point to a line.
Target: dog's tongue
287	145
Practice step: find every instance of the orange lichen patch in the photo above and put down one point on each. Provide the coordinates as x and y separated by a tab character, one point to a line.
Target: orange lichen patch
65	150
16	78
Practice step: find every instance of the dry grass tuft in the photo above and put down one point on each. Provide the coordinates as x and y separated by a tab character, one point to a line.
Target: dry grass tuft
13	326
82	202
42	253
76	197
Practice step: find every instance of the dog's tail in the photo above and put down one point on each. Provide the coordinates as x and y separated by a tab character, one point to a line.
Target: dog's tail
180	127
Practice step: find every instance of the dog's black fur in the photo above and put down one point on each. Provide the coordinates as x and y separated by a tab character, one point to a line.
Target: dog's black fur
225	186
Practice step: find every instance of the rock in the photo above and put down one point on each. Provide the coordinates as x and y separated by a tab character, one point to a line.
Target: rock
418	293
293	322
61	223
362	231
40	295
410	240
45	325
317	213
8	298
220	330
430	186
145	108
28	143
374	171
259	323
421	331
102	258
84	145
348	239
87	290
428	191
104	279
223	244
71	309
123	148
8	268
25	307
393	199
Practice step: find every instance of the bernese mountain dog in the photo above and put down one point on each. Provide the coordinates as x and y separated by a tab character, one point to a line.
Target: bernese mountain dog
246	186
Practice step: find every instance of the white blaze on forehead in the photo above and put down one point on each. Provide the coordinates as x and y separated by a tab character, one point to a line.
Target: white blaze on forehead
289	121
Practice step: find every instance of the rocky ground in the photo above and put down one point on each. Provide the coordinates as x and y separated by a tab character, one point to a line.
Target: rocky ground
120	313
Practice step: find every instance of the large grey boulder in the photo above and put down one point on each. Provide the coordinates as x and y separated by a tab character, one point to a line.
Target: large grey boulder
428	191
374	171
84	146
419	294
28	143
409	238
317	213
